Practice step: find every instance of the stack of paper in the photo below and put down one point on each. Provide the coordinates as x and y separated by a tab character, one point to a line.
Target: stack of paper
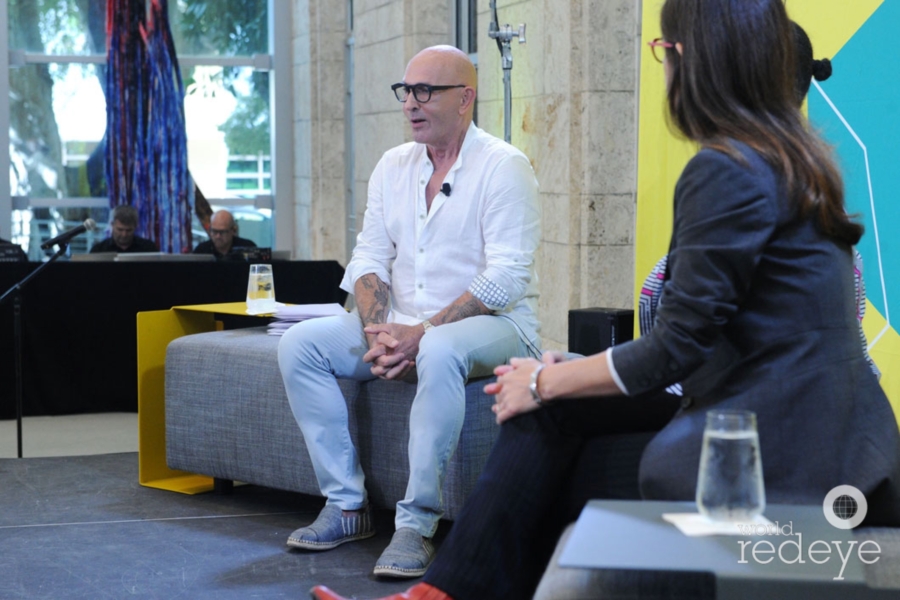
288	316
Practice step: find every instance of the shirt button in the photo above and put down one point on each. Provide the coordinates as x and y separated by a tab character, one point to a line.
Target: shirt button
421	286
422	217
686	402
422	182
421	250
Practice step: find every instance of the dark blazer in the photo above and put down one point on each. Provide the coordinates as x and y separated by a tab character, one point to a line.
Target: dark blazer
758	313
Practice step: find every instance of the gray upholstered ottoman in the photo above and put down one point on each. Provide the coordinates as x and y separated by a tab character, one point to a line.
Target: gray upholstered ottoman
227	416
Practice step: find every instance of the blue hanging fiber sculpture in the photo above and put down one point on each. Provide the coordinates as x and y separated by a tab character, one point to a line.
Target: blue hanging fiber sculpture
146	151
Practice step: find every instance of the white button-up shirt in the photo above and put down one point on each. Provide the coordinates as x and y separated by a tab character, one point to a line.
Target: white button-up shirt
481	238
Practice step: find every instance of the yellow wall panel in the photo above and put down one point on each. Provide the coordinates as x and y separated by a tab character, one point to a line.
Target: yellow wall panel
830	23
884	348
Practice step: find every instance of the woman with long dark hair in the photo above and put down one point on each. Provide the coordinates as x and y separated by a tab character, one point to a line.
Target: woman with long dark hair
757	314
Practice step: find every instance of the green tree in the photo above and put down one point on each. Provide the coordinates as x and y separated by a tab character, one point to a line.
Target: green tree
232	28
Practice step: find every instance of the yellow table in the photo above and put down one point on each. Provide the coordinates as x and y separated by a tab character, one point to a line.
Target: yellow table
155	329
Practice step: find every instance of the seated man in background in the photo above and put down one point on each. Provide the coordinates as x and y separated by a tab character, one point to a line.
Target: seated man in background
124	222
223	237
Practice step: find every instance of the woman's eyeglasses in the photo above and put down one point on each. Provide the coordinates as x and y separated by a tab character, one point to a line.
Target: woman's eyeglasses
658	47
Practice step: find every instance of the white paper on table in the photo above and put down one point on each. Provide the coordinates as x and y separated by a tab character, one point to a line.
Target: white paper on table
695	524
301	312
279	327
267	310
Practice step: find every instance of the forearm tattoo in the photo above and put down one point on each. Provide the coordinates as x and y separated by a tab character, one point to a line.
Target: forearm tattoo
469	308
380	293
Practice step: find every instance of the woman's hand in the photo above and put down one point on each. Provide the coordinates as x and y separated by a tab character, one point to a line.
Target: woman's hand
511	394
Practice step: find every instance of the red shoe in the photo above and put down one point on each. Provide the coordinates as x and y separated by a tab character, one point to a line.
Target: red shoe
420	591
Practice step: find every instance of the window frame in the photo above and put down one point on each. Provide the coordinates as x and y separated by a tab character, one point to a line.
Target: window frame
278	62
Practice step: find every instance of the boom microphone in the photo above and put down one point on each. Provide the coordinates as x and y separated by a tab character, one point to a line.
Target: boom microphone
63	238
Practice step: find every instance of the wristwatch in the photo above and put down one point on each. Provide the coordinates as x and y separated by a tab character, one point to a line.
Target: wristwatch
427	325
533	386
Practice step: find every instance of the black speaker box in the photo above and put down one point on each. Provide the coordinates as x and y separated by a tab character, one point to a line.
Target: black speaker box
592	330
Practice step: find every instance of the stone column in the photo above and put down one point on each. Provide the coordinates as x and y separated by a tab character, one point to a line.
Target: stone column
386	33
320	36
574	86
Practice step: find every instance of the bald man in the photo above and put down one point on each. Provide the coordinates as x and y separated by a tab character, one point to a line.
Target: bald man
223	237
445	287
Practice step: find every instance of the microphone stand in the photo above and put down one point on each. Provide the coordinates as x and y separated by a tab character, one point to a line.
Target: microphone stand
504	37
15	292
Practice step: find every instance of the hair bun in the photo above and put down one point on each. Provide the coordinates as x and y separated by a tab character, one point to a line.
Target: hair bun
821	69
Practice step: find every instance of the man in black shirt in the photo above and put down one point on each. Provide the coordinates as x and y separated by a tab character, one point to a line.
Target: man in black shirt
223	237
124	222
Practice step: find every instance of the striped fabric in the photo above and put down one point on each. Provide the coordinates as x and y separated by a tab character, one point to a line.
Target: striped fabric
649	302
650	294
861	307
357	525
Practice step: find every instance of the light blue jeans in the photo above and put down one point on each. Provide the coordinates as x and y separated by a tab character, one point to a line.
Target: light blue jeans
314	353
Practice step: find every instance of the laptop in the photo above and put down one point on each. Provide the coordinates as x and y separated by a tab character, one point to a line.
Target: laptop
12	253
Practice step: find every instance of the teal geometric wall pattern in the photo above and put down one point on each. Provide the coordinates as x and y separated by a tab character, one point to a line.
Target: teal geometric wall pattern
858	112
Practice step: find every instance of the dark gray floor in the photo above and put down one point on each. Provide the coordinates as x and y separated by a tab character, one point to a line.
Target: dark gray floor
82	527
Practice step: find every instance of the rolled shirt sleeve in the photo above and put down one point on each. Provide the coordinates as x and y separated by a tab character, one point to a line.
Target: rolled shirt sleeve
375	250
511	227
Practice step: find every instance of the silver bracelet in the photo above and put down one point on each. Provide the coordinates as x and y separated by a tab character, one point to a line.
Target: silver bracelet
533	386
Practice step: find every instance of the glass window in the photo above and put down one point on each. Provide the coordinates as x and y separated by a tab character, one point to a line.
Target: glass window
253	223
58	26
467	26
57	117
220	27
228	126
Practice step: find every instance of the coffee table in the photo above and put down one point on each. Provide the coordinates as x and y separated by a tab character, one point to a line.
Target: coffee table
619	535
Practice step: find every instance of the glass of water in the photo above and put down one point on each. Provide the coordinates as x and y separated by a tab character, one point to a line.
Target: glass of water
730	482
261	290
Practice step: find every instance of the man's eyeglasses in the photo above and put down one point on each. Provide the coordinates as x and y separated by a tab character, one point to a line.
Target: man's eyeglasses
420	91
220	231
660	55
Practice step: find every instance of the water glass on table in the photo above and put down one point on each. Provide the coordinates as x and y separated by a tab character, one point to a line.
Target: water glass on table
261	290
730	481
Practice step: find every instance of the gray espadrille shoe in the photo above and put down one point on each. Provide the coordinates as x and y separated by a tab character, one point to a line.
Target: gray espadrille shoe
408	555
331	529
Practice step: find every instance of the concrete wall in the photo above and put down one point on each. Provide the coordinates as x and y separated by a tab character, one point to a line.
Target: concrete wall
574	86
320	36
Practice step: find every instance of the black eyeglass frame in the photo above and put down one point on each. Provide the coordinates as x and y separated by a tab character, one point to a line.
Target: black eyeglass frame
416	88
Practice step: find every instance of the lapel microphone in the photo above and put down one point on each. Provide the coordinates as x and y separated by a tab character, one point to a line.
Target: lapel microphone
445	189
